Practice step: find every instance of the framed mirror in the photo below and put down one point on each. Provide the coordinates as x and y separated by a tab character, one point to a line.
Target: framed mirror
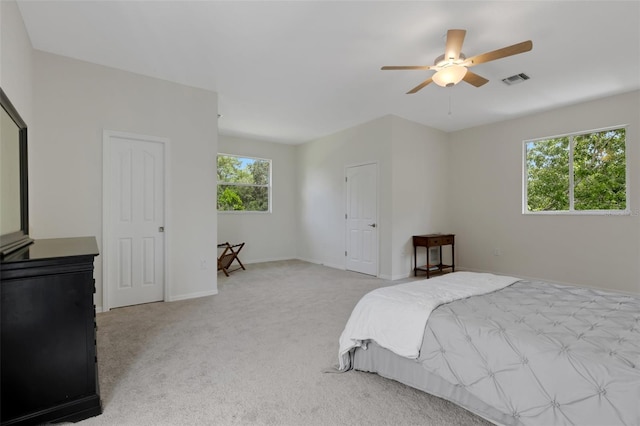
14	197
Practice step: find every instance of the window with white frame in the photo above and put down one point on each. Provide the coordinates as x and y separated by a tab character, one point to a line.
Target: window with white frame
244	184
583	172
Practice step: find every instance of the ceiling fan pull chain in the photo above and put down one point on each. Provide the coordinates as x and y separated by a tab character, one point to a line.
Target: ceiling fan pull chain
449	104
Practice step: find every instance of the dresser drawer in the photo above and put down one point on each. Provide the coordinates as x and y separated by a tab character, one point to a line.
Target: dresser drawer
445	241
431	242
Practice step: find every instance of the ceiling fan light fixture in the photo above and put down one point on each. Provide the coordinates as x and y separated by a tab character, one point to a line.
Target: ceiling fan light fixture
450	75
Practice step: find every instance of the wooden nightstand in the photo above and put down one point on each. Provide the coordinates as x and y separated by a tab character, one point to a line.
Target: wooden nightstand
433	240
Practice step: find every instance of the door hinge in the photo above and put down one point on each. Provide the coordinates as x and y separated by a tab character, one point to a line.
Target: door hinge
345	253
345	215
345	178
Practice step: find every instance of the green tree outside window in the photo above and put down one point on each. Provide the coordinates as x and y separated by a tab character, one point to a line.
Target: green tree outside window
243	183
581	172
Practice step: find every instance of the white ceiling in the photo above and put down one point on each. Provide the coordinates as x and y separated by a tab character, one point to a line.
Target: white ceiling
298	70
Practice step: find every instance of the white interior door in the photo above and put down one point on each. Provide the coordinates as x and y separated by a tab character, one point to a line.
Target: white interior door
135	215
362	219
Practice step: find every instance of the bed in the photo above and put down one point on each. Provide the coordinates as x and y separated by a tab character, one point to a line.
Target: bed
517	353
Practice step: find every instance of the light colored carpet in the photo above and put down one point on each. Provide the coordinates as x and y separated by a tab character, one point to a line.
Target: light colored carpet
253	354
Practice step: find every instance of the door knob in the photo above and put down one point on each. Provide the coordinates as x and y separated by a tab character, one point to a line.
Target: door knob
373	225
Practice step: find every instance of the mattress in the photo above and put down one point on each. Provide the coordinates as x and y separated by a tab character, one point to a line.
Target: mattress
533	353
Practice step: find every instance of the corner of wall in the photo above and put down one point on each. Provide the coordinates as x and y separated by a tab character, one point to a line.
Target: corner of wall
16	60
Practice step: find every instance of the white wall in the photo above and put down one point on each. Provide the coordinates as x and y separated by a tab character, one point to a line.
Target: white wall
321	188
74	102
419	190
408	155
486	203
268	236
16	61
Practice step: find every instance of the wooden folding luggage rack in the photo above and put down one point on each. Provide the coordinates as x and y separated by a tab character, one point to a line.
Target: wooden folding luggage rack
228	256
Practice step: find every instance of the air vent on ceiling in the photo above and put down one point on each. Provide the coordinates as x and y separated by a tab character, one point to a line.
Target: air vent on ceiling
515	79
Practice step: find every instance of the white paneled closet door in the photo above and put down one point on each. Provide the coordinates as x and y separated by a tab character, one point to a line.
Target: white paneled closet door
361	219
136	221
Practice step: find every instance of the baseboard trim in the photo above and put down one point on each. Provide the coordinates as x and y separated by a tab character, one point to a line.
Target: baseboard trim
271	259
178	297
191	295
394	277
317	262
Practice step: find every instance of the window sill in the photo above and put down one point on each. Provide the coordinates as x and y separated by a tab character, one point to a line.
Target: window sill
580	213
241	212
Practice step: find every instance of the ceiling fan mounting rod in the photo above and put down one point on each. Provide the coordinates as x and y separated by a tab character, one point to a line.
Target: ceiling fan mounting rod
442	62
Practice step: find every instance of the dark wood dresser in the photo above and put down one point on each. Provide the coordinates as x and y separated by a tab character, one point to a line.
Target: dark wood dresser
48	333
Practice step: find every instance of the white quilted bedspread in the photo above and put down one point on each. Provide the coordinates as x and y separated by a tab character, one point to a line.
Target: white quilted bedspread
543	354
395	317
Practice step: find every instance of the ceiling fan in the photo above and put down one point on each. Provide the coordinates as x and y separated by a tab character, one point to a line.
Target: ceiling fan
452	66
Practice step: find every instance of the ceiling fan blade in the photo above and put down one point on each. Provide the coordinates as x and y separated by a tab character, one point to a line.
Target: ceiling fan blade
454	43
515	49
474	79
407	67
419	86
